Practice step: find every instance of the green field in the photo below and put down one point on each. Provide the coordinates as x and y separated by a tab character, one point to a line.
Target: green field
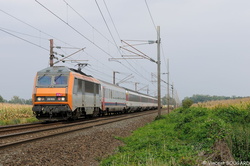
192	136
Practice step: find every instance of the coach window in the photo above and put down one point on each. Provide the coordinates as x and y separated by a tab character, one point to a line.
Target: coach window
105	93
75	86
89	87
79	87
108	92
97	88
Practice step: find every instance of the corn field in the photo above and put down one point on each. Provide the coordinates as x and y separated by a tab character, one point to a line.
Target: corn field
15	113
242	103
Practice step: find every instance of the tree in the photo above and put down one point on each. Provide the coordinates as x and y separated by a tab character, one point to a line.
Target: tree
17	100
204	98
186	103
171	101
1	99
29	101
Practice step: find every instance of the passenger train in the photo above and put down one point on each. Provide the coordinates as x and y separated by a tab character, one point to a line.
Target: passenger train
64	93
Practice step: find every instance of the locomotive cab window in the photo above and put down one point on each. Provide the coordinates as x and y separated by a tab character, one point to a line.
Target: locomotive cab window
51	80
60	80
44	80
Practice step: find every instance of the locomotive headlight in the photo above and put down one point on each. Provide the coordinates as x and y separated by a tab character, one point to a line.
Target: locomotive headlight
40	99
61	98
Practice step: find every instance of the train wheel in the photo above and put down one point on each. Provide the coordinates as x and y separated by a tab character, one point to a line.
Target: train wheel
103	113
96	112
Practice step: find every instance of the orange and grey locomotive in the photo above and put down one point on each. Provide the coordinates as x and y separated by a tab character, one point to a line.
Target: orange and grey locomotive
65	93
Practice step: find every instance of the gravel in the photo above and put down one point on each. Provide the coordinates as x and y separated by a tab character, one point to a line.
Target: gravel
87	147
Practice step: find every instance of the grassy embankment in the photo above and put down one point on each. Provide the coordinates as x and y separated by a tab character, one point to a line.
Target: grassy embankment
15	114
193	136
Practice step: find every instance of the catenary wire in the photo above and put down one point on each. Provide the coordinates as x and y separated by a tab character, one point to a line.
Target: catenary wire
24	39
150	15
32	26
87	21
107	25
111	19
74	29
25	34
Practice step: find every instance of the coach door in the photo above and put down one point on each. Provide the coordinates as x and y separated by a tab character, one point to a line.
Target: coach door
102	96
95	95
89	95
83	93
97	101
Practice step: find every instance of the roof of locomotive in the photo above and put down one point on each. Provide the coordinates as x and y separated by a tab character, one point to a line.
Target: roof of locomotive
54	69
60	69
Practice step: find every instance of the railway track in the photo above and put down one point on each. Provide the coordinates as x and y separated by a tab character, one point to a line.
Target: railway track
50	130
29	126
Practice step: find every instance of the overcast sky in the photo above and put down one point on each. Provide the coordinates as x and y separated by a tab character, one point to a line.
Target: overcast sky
207	42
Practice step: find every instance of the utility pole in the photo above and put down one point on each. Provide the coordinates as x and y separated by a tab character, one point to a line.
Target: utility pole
52	56
114	76
172	88
51	52
168	98
144	56
136	83
158	71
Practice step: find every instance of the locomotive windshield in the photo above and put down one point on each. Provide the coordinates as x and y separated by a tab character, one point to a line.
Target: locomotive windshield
60	80
45	80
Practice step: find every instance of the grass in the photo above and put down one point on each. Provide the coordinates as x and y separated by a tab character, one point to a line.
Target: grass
187	137
15	114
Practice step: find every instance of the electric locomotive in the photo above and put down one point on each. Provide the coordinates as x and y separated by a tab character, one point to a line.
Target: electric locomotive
65	93
62	93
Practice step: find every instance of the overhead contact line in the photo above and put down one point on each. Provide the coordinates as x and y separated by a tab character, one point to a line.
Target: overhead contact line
24	39
86	21
73	28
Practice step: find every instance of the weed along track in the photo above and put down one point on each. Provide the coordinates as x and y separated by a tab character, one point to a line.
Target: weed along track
55	129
